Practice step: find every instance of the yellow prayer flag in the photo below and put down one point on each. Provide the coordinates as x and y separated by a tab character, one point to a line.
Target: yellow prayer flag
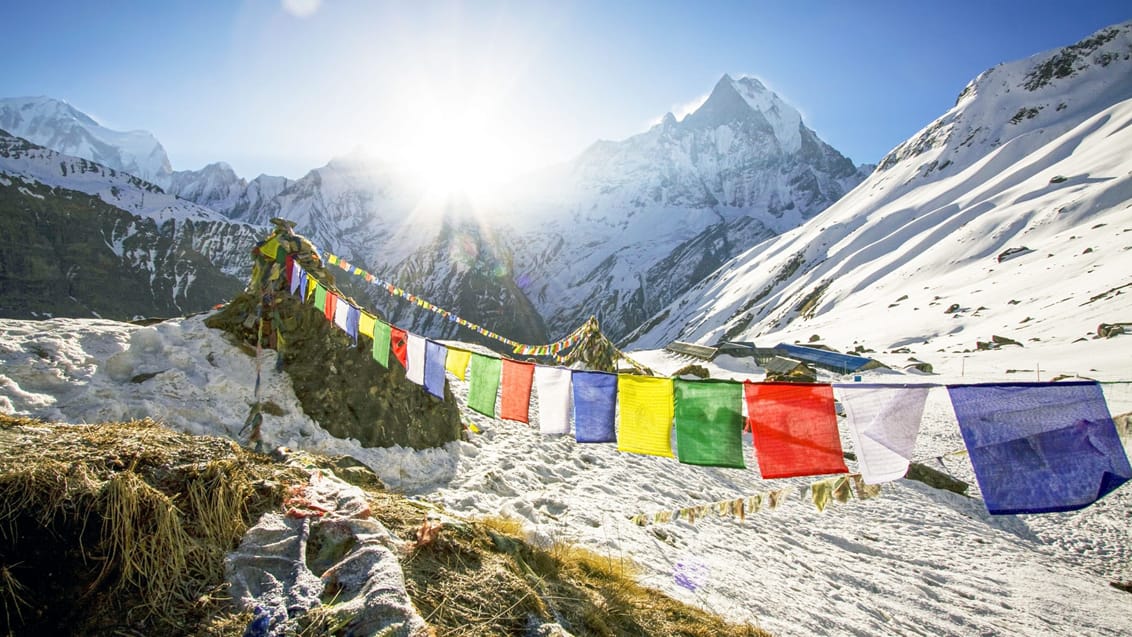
311	285
646	415
366	323
457	362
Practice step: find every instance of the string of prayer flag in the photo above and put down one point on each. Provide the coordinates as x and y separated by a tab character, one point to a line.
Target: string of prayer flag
595	404
515	394
1034	447
795	429
646	415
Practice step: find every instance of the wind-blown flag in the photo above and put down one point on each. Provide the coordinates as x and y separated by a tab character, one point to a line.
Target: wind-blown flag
320	297
795	429
297	280
646	415
366	323
485	384
382	336
353	317
553	387
595	403
1040	447
398	344
883	421
709	423
342	315
435	354
331	304
515	395
312	286
457	362
415	350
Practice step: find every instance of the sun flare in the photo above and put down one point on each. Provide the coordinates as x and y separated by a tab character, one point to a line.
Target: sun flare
456	149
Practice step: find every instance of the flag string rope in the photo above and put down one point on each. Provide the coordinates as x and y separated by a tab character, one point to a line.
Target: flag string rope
550	349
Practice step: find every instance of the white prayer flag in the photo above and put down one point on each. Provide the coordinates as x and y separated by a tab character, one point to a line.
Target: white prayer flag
883	422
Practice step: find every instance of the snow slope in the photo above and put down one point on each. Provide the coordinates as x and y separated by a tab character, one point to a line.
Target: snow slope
915	561
1035	155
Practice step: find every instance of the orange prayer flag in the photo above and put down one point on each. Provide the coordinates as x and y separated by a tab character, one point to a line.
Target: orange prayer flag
515	401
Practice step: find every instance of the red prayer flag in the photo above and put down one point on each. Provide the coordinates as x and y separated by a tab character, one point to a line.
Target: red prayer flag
795	429
515	400
331	301
399	343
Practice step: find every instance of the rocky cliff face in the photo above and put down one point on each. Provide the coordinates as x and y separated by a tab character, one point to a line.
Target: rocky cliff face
89	240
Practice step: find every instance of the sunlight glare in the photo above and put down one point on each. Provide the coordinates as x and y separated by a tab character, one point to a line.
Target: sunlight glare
456	148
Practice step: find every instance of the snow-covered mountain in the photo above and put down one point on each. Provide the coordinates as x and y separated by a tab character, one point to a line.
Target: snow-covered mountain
89	239
1006	216
627	226
618	232
61	127
218	187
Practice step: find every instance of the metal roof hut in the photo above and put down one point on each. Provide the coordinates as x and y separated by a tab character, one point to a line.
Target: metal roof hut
829	360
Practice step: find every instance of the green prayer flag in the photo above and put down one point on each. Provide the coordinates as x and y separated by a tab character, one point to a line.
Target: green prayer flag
709	423
320	297
485	373
381	336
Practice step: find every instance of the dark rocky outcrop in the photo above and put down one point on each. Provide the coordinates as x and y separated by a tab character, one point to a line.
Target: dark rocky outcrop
339	385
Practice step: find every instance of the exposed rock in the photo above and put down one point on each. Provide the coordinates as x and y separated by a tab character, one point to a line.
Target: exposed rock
339	385
935	478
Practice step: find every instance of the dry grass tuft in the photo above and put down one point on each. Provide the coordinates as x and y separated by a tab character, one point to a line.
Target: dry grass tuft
129	520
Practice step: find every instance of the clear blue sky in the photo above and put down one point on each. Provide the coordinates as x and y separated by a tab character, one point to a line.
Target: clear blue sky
281	89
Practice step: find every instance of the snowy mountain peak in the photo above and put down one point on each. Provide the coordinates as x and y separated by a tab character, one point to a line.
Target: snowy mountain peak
749	100
57	125
1022	103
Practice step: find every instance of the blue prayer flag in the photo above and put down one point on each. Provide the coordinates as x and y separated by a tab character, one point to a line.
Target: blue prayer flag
595	402
435	355
1040	447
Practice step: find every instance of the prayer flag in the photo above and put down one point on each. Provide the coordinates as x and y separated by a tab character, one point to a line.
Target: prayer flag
646	415
485	384
331	304
295	276
312	287
414	368
795	429
366	323
353	316
515	395
320	297
1040	447
553	387
382	335
595	406
457	362
398	342
709	423
342	315
434	368
883	421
